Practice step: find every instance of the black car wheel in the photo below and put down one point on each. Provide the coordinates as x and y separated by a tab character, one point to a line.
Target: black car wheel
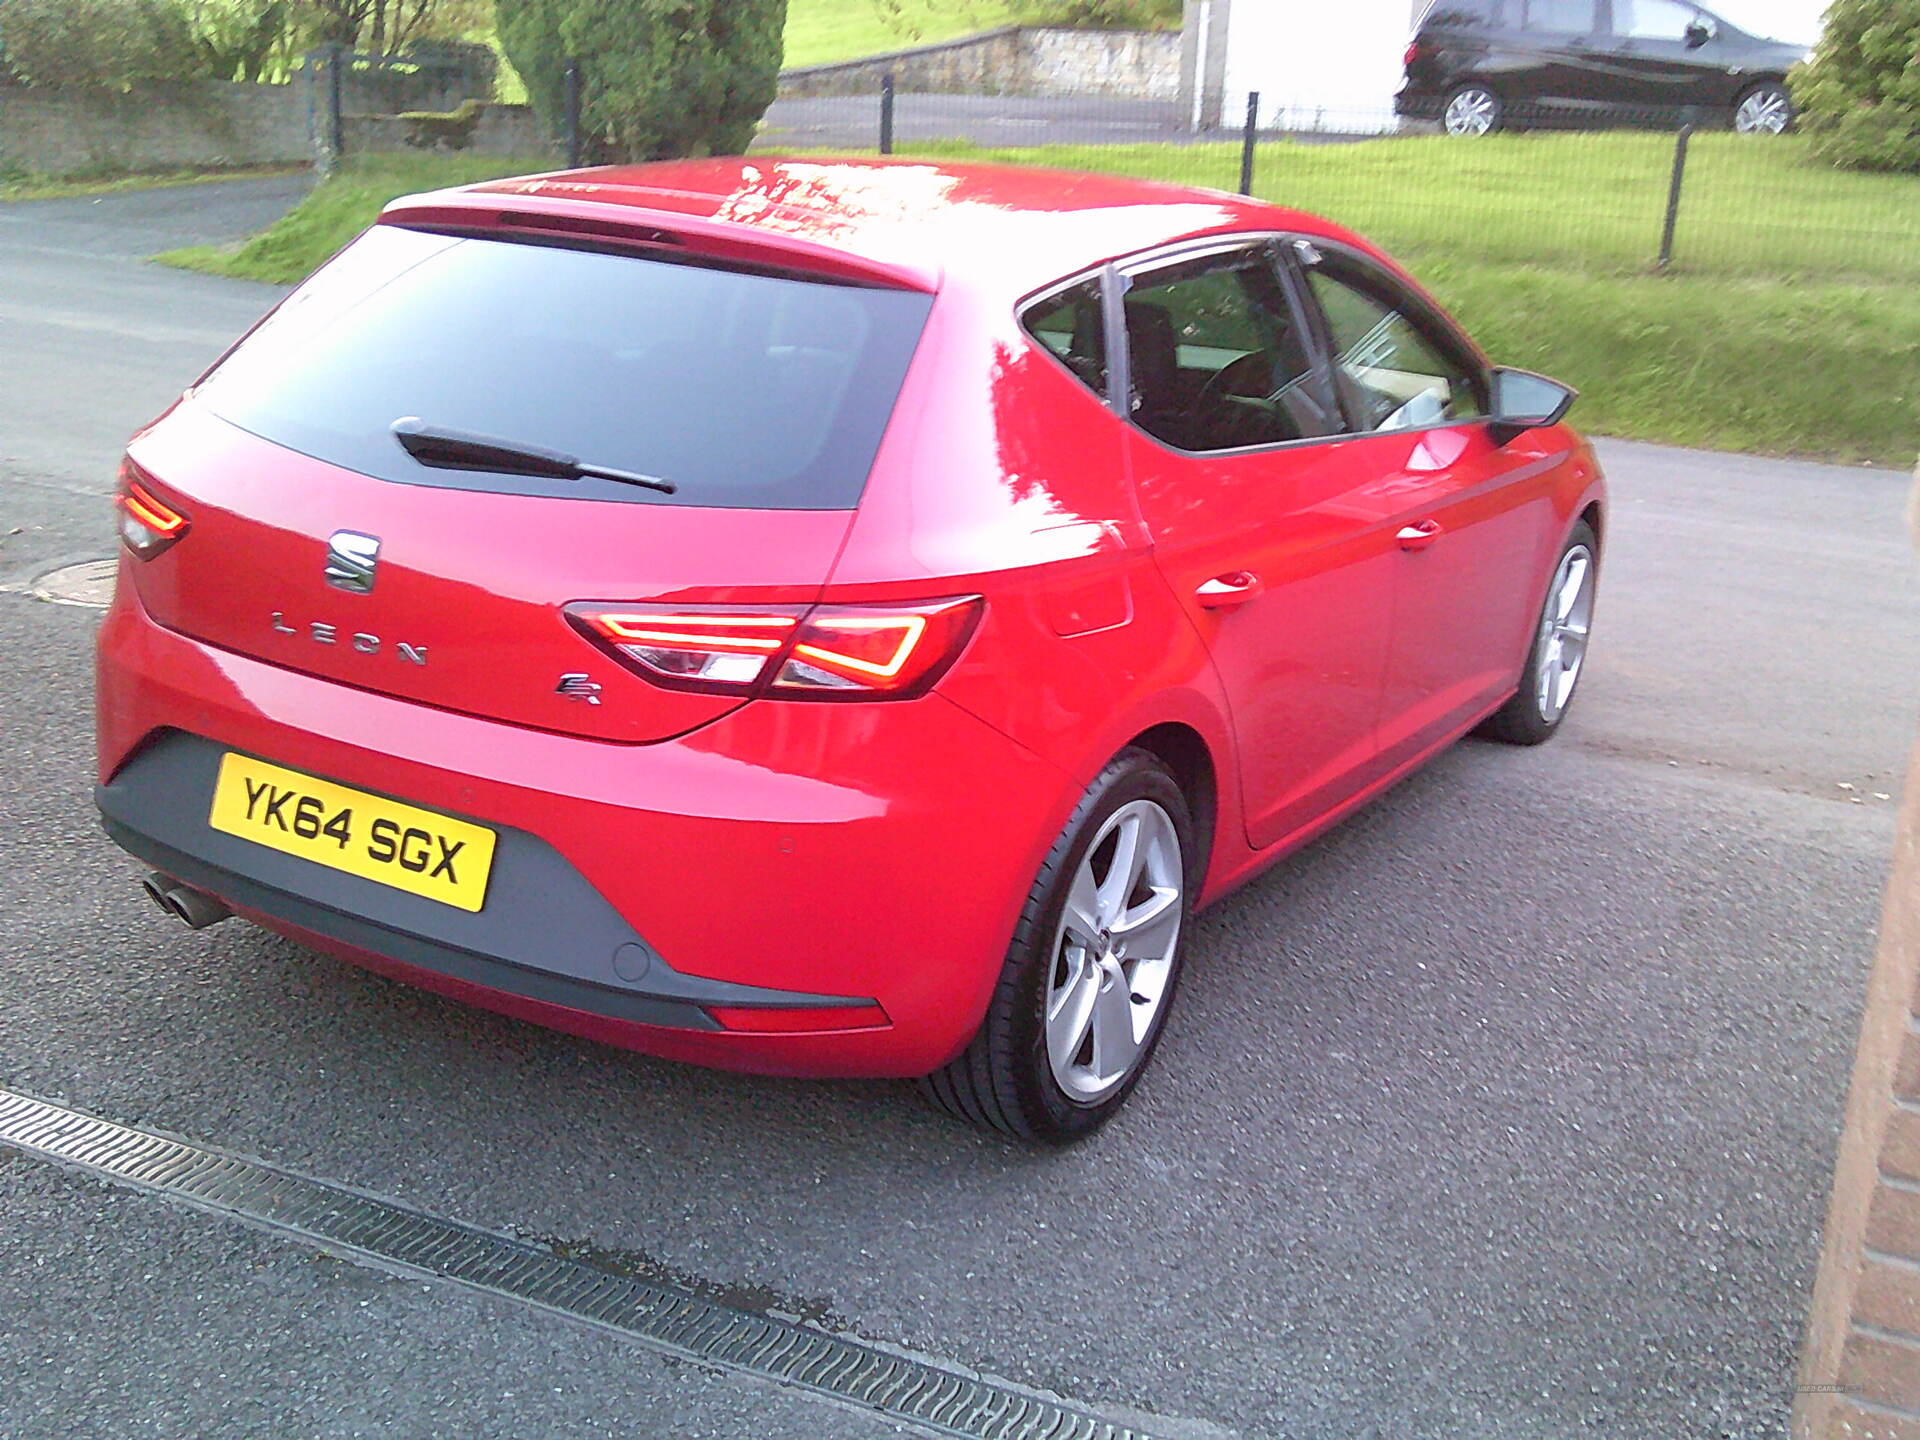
1085	987
1764	110
1559	650
1471	110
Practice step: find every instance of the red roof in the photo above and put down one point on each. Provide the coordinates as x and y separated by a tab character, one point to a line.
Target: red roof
916	222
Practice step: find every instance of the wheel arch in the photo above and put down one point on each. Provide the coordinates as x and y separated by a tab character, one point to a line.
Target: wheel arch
1185	752
1594	516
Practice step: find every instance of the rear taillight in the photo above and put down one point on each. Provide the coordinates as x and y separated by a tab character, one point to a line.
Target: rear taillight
830	652
1413	54
148	524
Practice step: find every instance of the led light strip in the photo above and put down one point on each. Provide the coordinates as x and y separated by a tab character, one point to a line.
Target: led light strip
676	1322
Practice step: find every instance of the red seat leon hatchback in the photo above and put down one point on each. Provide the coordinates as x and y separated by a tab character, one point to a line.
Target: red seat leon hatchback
824	617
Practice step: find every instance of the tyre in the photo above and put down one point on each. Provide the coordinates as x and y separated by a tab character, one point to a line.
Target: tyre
1559	650
1471	110
1766	109
1084	991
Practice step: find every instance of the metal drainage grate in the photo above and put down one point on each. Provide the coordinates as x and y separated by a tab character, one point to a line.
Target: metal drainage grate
674	1321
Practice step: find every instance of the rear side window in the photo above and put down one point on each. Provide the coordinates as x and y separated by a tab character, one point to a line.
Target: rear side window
1560	17
745	390
1073	326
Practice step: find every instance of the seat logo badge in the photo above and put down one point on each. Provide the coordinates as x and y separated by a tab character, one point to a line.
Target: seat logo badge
350	561
576	686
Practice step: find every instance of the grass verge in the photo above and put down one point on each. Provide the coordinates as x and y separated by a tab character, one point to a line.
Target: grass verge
1822	371
1807	360
40	187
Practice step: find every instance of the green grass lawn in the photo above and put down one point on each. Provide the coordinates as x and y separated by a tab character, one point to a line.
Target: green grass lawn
1593	202
822	31
1789	325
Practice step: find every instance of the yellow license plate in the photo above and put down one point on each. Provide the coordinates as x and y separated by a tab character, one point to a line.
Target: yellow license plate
419	851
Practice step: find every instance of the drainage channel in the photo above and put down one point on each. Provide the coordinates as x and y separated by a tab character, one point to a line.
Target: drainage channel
676	1322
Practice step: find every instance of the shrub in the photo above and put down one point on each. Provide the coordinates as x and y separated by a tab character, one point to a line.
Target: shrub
1859	95
99	44
659	78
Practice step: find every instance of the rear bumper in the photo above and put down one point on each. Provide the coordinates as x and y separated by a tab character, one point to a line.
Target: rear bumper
790	859
1418	104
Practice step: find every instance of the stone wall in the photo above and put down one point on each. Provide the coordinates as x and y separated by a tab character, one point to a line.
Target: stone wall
163	127
1015	60
212	124
501	130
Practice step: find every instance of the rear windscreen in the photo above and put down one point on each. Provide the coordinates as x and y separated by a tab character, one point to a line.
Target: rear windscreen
743	389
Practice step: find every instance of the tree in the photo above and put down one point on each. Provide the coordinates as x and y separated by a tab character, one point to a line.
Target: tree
245	39
659	78
384	27
1859	95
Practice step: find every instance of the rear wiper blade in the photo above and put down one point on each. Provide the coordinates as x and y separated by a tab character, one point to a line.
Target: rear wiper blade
446	449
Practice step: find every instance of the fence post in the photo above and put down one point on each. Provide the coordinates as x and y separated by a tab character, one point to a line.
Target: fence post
1687	118
886	113
336	125
573	115
1247	134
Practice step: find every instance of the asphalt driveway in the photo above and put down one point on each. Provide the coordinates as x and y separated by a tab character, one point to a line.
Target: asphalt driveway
1505	1110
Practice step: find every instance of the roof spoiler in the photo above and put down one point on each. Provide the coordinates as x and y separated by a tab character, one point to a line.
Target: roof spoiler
624	224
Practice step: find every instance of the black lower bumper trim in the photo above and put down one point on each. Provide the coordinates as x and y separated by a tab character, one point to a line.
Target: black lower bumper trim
411	950
545	934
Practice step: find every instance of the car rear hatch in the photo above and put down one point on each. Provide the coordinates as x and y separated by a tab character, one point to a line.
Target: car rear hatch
723	414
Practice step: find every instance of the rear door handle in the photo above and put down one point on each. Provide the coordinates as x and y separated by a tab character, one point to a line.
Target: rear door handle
1419	537
1234	588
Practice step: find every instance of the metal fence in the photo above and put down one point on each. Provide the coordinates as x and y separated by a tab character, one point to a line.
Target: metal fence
1621	189
344	85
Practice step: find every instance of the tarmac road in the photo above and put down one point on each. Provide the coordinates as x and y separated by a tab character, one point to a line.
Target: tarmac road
1505	1110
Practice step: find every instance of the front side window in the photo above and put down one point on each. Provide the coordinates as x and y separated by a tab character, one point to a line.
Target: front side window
1217	359
1654	19
1395	370
1560	17
1072	325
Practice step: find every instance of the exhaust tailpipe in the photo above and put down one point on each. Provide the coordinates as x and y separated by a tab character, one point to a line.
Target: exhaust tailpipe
193	908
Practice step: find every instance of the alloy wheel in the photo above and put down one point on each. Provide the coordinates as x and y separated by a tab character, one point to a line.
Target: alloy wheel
1764	112
1113	951
1471	112
1564	626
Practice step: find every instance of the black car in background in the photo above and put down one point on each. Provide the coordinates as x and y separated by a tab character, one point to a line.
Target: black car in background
1481	65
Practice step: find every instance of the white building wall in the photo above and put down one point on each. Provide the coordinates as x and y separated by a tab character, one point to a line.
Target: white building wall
1318	64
